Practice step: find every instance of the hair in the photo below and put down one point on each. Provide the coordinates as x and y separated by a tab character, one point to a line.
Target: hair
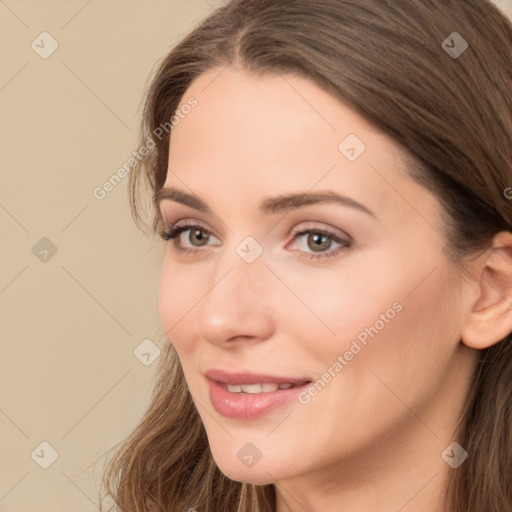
452	116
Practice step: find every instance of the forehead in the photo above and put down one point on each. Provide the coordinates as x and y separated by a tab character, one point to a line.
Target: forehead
266	115
242	105
272	133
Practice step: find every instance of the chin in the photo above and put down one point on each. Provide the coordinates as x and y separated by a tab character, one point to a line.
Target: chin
250	476
261	473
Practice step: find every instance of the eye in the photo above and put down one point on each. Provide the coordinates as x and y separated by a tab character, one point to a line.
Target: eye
197	237
320	242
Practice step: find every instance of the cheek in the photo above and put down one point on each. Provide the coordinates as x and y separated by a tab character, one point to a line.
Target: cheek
177	295
406	331
344	303
407	352
392	314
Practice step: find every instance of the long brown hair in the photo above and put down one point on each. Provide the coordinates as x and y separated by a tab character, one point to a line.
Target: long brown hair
452	112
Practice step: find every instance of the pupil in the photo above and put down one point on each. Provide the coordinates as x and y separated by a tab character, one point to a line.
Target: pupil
317	239
200	236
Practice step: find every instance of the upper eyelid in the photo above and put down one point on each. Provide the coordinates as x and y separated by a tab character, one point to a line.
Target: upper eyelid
189	224
169	225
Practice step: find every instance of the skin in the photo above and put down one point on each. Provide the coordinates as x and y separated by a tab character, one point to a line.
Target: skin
372	438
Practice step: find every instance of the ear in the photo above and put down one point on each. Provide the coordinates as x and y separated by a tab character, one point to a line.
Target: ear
490	318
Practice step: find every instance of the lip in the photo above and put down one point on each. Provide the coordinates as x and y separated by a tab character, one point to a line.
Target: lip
250	378
249	405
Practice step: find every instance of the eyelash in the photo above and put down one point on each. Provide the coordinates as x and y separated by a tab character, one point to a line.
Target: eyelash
174	233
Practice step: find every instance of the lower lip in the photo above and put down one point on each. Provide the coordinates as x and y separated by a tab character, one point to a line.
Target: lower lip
249	405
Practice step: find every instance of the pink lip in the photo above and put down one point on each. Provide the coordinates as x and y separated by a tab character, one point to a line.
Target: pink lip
245	405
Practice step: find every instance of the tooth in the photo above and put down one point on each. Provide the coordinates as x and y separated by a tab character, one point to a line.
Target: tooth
251	388
266	387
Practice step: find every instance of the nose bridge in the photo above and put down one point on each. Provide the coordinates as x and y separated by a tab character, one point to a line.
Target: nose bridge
235	303
235	282
243	266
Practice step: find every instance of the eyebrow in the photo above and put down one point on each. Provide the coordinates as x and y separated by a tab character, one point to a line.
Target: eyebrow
270	205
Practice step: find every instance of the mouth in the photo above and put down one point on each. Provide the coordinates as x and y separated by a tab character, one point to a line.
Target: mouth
263	387
249	395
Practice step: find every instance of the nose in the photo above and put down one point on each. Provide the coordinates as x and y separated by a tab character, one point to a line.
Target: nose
236	306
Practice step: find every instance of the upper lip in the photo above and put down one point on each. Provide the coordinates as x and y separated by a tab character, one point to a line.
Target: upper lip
250	378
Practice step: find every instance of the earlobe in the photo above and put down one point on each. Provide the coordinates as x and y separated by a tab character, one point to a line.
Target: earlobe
490	318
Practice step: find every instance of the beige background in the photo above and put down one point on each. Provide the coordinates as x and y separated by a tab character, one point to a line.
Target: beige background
70	323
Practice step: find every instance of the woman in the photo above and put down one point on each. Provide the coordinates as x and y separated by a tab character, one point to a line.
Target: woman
331	178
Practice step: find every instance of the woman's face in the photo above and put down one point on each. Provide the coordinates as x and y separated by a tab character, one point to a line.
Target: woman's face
344	285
